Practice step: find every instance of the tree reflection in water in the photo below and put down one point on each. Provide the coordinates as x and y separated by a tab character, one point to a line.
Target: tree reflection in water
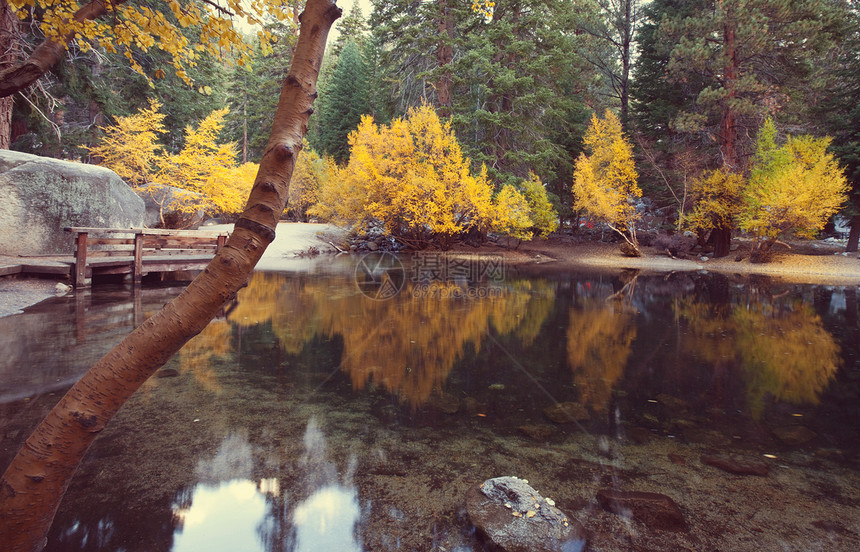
599	339
781	346
729	351
407	344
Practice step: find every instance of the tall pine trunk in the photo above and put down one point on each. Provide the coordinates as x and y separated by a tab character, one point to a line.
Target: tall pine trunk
35	481
444	57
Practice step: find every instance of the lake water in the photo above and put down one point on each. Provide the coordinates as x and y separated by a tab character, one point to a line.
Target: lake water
349	403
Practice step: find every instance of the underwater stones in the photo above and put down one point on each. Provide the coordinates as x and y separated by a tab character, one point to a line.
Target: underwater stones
677	459
709	437
566	413
514	517
449	404
473	406
639	435
794	435
736	465
538	432
655	510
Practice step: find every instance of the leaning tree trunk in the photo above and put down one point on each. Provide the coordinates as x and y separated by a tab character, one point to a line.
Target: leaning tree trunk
34	483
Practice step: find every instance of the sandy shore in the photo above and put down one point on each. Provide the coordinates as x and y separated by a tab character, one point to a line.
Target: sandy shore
811	262
807	262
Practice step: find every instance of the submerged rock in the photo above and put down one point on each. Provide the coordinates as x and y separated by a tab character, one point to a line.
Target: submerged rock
794	435
449	404
677	459
640	435
538	432
655	510
566	413
735	465
514	517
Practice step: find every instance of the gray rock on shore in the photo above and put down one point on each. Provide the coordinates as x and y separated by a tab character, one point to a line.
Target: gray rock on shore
41	196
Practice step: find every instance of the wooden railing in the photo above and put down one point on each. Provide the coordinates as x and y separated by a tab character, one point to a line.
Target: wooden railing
139	251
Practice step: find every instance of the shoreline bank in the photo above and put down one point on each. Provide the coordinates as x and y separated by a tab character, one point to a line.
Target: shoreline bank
807	262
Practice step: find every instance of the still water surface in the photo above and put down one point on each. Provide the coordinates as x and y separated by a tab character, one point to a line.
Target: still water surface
330	408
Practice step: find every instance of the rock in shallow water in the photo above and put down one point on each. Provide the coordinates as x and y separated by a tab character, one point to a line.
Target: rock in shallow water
514	517
655	510
735	465
794	435
567	413
538	432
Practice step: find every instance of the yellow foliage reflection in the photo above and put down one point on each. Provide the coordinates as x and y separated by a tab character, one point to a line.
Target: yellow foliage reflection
409	343
599	340
215	341
783	349
786	353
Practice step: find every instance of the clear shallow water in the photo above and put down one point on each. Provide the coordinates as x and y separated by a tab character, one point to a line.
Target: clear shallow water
325	411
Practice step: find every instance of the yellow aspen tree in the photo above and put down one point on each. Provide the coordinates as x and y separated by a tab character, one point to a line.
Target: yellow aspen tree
411	176
130	147
512	214
541	212
202	168
36	480
309	177
604	179
717	196
227	188
794	188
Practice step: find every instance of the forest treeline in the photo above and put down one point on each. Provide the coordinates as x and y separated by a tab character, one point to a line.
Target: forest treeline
726	117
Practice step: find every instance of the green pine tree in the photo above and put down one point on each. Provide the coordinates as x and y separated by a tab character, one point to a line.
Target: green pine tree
346	100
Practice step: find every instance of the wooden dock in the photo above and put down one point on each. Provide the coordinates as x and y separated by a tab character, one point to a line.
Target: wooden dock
133	251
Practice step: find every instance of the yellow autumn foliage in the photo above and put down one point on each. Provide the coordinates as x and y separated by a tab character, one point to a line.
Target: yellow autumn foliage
411	175
511	213
794	188
717	196
604	178
138	27
204	173
309	177
130	147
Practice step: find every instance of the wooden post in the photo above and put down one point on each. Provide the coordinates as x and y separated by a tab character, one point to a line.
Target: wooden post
137	270
81	260
222	239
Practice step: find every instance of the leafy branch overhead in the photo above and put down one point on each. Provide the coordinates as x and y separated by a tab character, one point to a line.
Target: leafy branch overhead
121	27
